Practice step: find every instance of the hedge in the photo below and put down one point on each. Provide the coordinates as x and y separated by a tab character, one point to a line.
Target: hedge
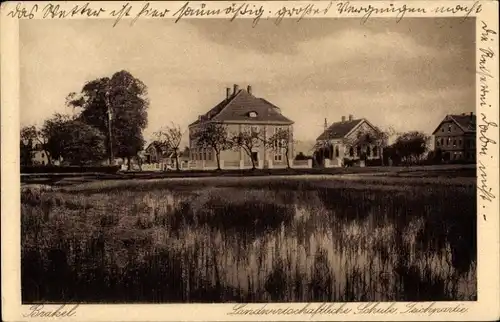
69	169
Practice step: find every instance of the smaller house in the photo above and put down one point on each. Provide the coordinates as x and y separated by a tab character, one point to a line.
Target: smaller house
455	137
155	153
39	156
162	158
355	140
35	154
157	156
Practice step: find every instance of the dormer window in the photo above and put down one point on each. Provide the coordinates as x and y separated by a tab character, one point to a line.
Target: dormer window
252	114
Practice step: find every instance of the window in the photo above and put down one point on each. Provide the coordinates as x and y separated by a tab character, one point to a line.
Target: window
43	155
255	129
358	151
437	143
449	128
252	114
351	151
210	155
459	142
442	129
442	141
337	152
375	151
368	150
454	142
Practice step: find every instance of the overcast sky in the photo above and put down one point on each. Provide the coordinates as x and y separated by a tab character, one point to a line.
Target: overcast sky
407	75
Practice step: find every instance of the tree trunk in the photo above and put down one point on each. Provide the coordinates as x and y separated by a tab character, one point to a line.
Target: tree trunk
287	159
217	157
176	161
139	162
251	159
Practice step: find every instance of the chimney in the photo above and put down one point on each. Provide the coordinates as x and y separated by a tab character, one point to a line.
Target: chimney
235	89
249	89
228	92
351	117
326	124
471	114
343	118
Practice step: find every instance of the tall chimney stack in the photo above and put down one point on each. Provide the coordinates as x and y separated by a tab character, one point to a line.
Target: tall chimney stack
326	124
343	118
351	117
249	89
235	89
228	92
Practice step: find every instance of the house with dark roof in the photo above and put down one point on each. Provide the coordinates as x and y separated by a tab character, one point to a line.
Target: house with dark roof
240	111
455	137
352	139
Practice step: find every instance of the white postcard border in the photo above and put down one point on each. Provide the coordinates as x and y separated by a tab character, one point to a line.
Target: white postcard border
487	306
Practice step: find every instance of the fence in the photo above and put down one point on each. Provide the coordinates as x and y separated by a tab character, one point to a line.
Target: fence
301	164
228	165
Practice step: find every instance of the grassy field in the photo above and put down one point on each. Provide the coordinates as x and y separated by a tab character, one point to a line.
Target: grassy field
440	171
255	239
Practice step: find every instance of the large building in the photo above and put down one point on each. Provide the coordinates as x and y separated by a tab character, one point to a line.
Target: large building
351	139
241	112
455	137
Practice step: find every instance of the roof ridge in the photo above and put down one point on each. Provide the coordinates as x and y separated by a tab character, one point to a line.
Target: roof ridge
231	100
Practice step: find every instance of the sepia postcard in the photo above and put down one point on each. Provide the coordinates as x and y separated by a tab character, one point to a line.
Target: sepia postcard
250	161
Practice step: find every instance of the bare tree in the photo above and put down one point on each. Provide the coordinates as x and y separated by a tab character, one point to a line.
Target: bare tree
247	140
170	137
213	136
281	141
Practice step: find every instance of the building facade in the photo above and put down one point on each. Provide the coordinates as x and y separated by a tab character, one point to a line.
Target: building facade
351	139
242	112
455	137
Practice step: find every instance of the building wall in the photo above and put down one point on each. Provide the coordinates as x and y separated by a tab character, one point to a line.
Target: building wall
341	148
233	156
454	143
40	157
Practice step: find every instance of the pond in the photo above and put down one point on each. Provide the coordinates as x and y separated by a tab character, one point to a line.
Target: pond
237	244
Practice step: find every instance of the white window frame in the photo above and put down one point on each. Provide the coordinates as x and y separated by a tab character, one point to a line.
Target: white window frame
279	150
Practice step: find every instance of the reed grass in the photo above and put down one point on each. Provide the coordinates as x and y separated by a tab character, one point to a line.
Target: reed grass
295	241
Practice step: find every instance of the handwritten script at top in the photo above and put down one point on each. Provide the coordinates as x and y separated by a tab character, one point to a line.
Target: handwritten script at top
255	11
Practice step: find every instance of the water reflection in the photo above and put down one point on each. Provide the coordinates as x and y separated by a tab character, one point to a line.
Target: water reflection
258	245
334	245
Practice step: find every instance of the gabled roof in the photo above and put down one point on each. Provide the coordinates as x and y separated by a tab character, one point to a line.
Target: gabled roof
158	148
465	122
339	130
239	107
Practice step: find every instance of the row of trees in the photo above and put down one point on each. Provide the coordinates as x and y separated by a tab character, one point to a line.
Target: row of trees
110	119
408	147
216	137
